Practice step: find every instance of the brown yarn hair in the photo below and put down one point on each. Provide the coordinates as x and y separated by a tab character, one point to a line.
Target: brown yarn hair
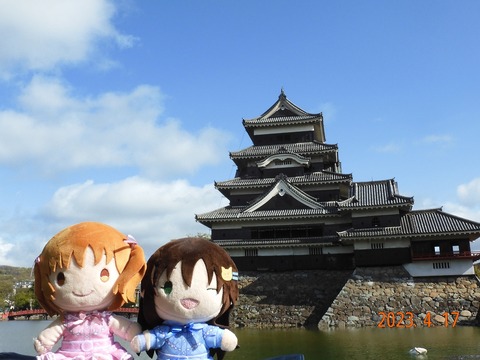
188	251
72	242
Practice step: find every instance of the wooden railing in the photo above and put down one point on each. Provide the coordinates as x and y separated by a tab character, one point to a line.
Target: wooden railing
28	313
474	255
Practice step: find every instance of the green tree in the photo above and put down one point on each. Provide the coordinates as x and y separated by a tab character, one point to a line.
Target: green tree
24	298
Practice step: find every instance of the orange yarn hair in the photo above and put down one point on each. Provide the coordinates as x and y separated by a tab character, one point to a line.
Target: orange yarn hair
103	240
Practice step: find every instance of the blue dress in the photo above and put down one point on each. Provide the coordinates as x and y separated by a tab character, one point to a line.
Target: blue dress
173	341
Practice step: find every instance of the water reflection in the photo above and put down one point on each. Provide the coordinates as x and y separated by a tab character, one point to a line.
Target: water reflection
459	343
371	343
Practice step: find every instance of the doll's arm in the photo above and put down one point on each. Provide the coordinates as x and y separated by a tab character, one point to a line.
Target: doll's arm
153	339
141	342
229	341
49	337
216	337
123	327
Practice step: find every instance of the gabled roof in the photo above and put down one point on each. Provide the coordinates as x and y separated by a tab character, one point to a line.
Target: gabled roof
283	107
374	194
283	154
283	188
262	151
419	223
322	177
437	222
284	112
238	214
311	208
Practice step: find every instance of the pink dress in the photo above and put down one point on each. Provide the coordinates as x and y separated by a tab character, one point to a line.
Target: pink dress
87	336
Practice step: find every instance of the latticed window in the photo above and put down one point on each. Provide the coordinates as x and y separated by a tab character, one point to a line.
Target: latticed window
376	245
315	250
283	162
441	265
251	252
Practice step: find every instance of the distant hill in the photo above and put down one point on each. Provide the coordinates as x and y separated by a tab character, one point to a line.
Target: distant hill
9	275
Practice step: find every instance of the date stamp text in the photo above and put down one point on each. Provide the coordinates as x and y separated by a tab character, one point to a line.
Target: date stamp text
406	319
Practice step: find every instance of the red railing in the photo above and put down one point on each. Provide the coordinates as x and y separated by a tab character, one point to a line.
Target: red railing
474	255
28	313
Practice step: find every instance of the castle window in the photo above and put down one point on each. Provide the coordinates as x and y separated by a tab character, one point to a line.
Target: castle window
376	245
375	221
441	265
456	249
283	162
251	252
315	250
286	232
436	249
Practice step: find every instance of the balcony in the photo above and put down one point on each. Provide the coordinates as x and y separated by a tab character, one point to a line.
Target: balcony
457	255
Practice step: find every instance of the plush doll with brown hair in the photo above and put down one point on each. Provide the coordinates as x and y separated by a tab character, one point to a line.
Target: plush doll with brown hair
188	291
84	273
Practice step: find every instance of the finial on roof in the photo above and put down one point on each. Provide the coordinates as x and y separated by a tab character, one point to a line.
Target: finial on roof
282	94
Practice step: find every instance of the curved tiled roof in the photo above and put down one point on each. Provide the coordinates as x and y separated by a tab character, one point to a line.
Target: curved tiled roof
437	222
285	113
374	194
238	214
282	106
267	243
314	178
364	195
432	222
283	154
282	120
261	151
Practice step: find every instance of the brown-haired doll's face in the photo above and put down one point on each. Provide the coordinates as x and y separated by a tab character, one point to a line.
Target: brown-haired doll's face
176	301
85	288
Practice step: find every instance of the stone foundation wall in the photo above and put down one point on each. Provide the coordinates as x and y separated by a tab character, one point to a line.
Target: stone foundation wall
389	297
338	299
286	299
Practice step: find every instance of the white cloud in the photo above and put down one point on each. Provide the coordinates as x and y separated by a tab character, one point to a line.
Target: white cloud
467	204
39	35
469	193
387	148
443	139
466	212
329	111
57	131
5	258
153	212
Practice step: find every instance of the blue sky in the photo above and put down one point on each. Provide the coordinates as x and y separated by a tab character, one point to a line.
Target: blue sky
124	111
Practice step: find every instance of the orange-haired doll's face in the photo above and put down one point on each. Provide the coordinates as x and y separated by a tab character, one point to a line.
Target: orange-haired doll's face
85	288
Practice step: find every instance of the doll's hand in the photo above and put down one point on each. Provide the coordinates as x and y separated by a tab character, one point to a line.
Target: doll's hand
39	347
124	328
48	337
135	344
141	342
229	341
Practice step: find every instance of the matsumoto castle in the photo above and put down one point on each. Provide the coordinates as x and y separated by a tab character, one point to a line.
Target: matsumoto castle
292	208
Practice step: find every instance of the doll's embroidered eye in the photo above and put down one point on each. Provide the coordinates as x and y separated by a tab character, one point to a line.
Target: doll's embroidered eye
60	279
104	275
167	287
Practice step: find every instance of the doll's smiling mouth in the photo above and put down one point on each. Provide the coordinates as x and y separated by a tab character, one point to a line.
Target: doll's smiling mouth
189	303
82	295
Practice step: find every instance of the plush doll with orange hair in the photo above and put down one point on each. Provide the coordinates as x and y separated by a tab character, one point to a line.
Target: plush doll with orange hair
190	287
84	273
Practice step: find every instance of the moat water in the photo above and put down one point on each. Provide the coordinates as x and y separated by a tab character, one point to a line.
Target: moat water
360	344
